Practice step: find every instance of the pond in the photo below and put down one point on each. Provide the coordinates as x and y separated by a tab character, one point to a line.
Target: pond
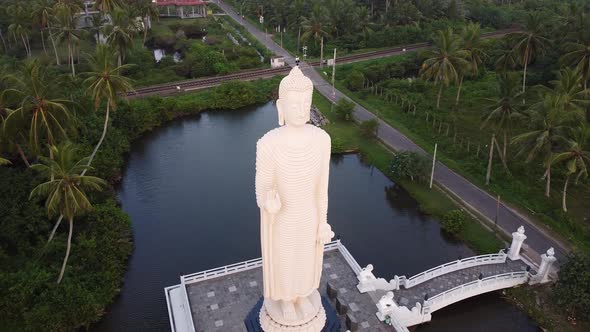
189	189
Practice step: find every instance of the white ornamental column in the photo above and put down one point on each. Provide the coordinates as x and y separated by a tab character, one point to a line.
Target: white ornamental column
547	261
518	238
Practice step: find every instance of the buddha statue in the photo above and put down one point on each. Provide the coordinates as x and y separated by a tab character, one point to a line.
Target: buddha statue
292	171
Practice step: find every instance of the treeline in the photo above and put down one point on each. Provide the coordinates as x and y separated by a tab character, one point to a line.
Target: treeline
357	24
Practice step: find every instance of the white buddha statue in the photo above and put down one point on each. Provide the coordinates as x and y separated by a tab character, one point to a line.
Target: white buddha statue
292	171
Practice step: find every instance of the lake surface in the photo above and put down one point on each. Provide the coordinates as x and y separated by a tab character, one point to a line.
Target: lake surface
189	189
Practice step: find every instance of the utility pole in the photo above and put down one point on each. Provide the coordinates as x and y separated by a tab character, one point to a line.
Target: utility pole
298	39
322	52
497	211
433	163
334	75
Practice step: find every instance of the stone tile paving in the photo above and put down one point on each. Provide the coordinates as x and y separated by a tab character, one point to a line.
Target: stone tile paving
221	304
409	297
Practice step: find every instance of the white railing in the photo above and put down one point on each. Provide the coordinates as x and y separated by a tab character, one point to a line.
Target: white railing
252	264
473	288
167	291
451	267
397	326
348	257
221	271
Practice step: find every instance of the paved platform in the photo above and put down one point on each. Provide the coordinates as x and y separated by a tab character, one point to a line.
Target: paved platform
221	304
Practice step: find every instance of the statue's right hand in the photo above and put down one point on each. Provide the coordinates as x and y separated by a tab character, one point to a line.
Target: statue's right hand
273	202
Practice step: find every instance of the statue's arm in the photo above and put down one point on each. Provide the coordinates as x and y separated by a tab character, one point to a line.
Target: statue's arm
264	173
324	178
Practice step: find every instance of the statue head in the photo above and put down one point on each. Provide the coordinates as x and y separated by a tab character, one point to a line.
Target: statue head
294	103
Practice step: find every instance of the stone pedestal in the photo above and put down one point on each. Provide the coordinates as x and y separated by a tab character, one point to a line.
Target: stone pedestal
518	238
272	320
331	320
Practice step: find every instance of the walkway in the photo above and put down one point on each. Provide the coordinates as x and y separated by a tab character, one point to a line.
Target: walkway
409	297
469	194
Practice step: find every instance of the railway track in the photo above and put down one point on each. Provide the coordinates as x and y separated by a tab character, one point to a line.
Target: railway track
248	75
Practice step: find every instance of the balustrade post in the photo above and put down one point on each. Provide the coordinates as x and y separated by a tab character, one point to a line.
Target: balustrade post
547	260
518	238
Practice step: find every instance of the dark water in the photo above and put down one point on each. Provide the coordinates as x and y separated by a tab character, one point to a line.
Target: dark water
189	189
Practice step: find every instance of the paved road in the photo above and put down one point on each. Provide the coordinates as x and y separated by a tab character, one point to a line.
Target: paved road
538	239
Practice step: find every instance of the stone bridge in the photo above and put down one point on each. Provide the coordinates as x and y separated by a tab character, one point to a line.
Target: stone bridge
404	302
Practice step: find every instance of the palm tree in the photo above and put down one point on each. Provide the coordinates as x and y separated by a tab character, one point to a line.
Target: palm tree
105	82
444	61
549	128
529	43
147	11
66	29
120	33
39	108
43	14
506	61
578	55
19	16
65	192
107	6
576	159
363	22
314	26
471	38
504	110
568	92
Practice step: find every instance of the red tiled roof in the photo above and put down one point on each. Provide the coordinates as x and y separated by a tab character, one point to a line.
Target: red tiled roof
179	2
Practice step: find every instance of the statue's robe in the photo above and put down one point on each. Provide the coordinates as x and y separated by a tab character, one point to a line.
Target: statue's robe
292	256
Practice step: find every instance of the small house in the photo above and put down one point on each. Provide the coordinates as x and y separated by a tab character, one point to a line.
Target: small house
182	8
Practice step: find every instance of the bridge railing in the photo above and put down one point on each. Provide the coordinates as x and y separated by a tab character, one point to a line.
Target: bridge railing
451	267
473	288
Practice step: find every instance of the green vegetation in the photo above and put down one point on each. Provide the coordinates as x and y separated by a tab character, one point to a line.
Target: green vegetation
563	306
353	25
101	241
454	222
488	128
346	137
410	165
344	109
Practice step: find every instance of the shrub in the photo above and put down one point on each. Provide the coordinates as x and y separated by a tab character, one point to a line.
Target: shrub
409	165
454	222
355	80
369	128
572	291
344	109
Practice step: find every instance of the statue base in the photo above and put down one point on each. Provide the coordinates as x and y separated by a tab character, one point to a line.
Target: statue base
331	320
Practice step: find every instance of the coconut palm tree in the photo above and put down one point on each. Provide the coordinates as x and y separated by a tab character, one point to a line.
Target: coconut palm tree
120	33
39	106
105	82
314	26
576	158
549	128
471	40
148	11
66	31
107	6
43	14
529	43
504	110
506	61
578	55
569	92
444	61
363	22
65	190
20	24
